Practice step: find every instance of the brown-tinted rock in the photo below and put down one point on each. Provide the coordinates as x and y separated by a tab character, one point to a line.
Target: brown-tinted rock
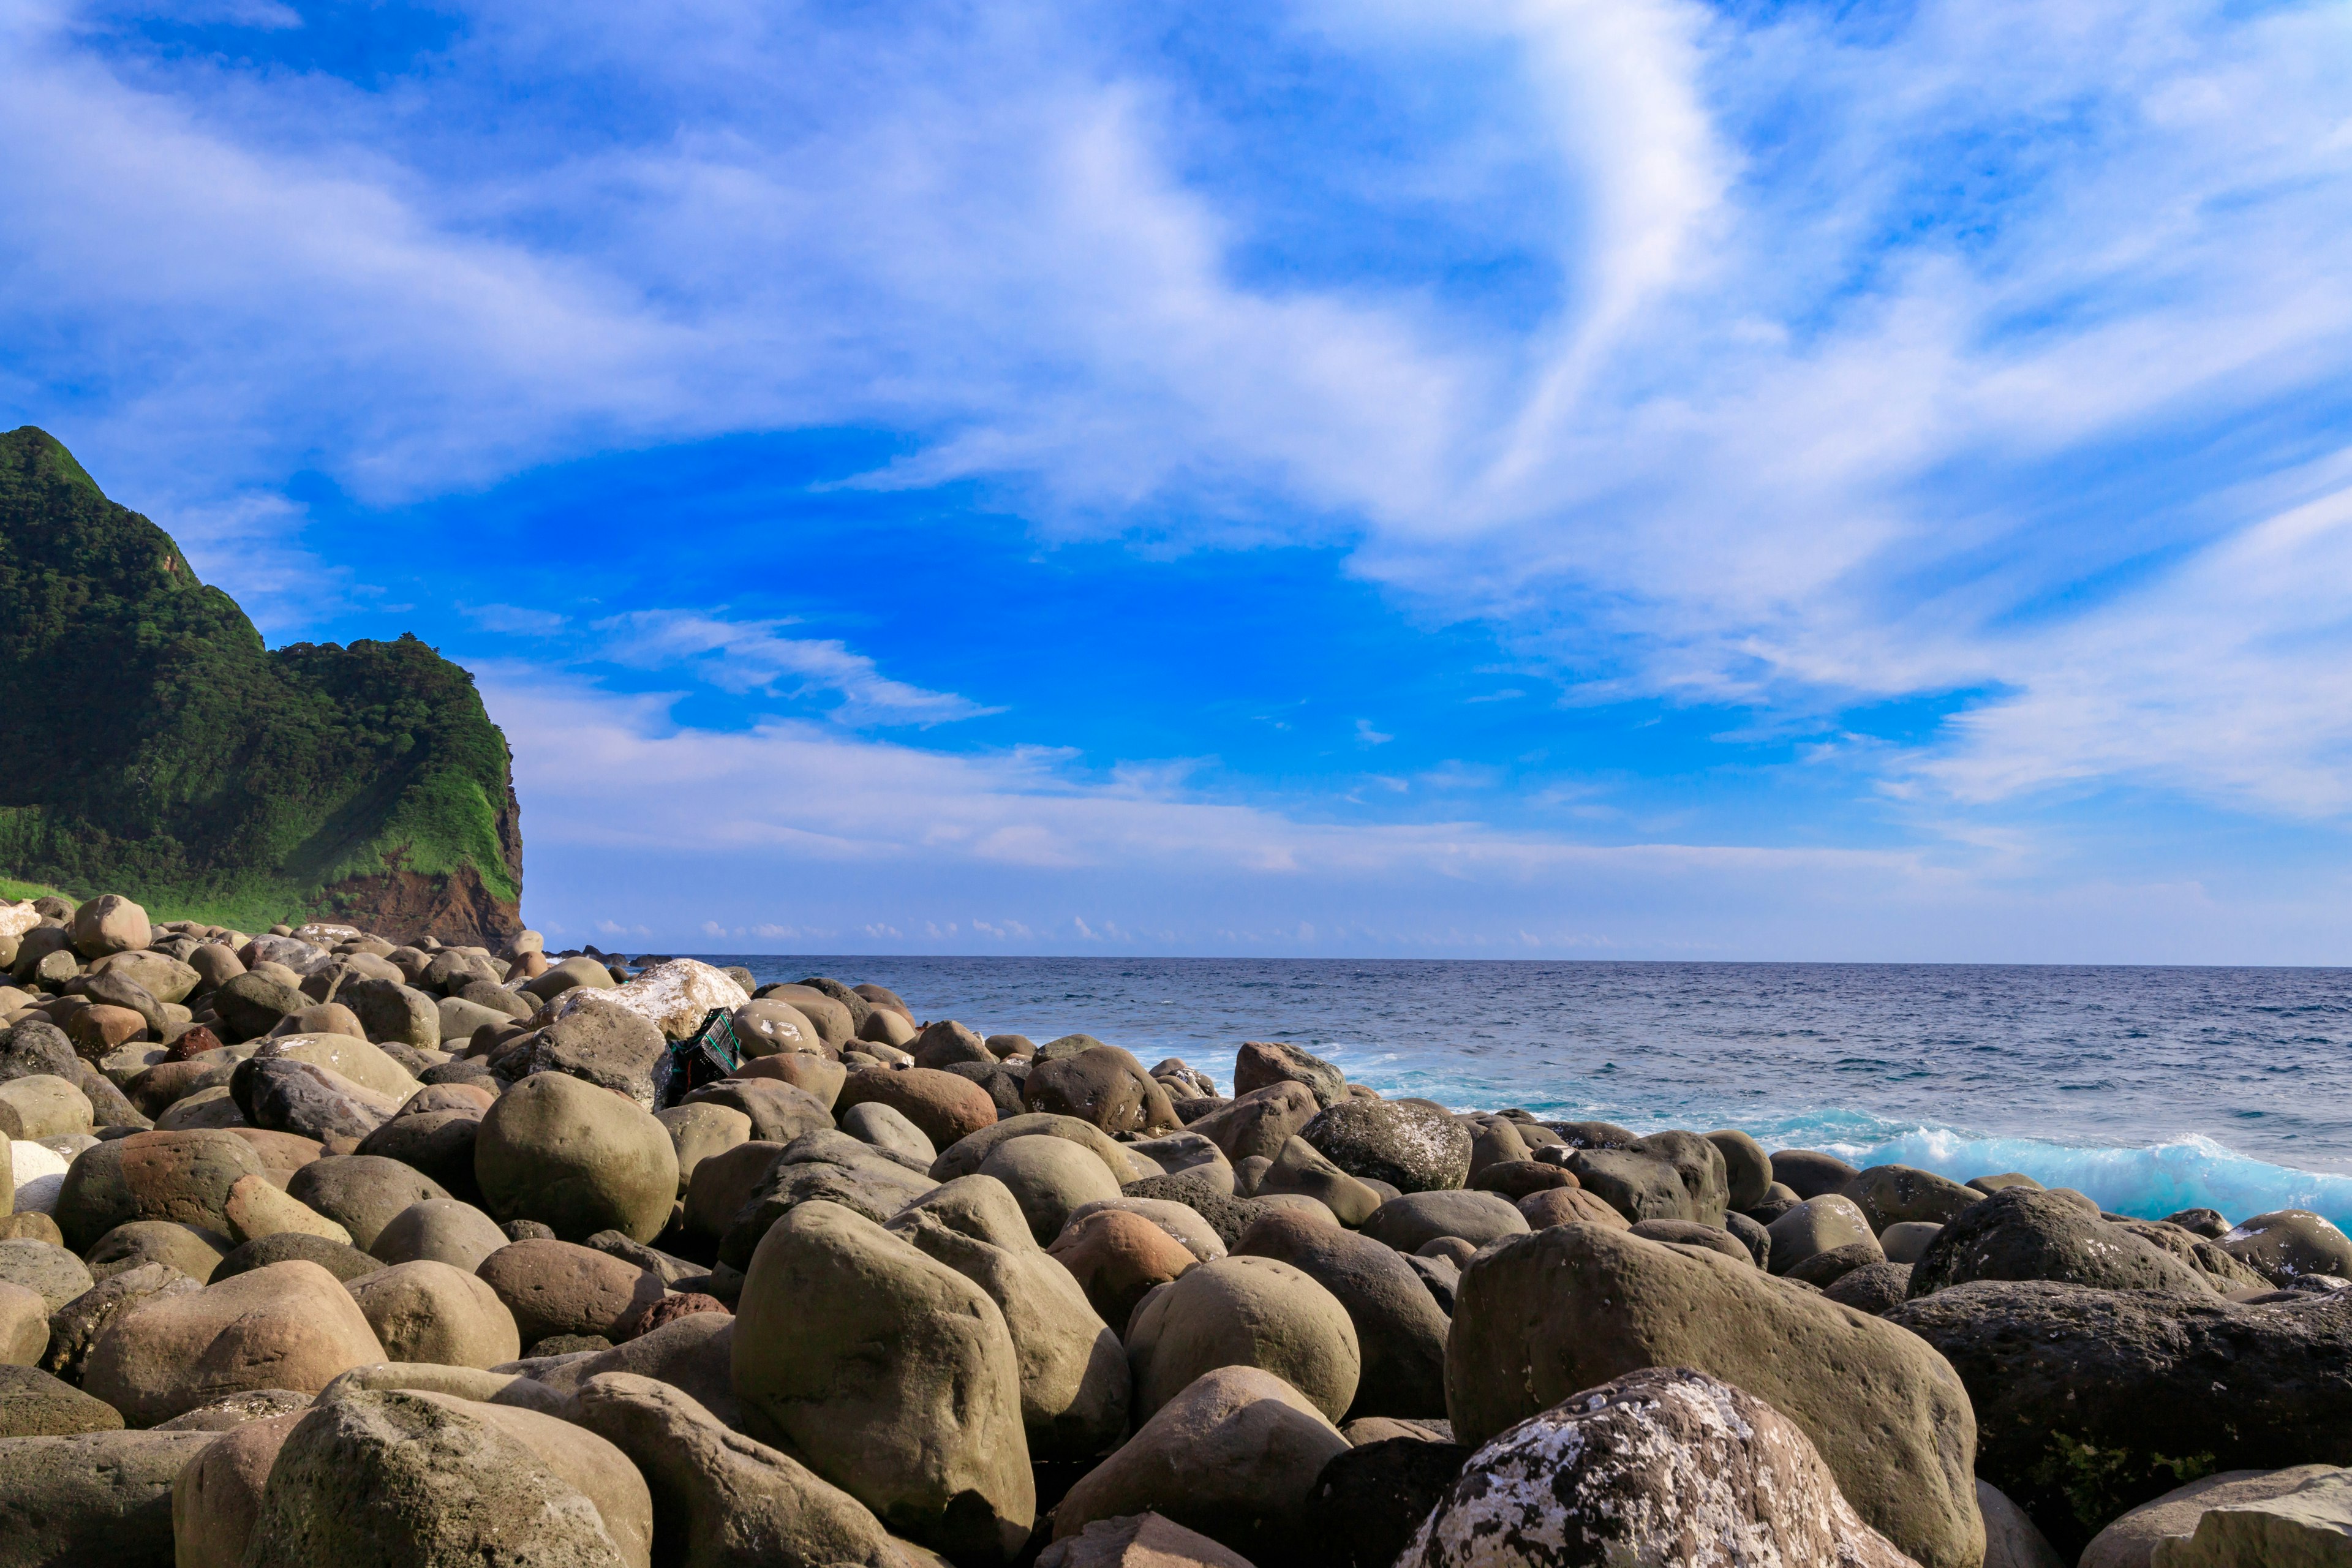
1259	1122
98	1497
1139	1541
1568	1205
558	1288
290	1325
946	1106
1116	1258
1245	1311
580	1159
362	1193
429	1311
184	1177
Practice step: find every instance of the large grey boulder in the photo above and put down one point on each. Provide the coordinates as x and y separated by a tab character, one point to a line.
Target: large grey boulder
1261	1122
1102	1085
1399	1331
575	1157
1411	1222
2287	1243
362	1193
2084	1398
1233	1455
1413	1147
2020	1232
1667	1175
290	1325
99	1498
1817	1225
399	1478
1244	1311
891	1375
389	1010
2134	1539
819	1167
1261	1062
612	1048
1075	1382
1901	1195
183	1177
1541	1317
1661	1466
719	1499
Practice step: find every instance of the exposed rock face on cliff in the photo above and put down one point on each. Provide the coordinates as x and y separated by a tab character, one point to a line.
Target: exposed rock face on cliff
151	743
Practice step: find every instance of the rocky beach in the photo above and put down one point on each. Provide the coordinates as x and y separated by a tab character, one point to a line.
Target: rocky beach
324	1248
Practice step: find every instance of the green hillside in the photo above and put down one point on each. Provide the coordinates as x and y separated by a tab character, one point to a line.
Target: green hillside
149	744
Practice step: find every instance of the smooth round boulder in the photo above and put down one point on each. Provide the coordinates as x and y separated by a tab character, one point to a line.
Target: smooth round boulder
1415	1148
50	1272
338	1259
42	1105
1810	1173
577	1158
698	1132
1244	1311
183	1177
429	1311
875	1123
192	1252
407	1478
290	1325
1050	1178
34	1404
766	1027
779	1111
929	1435
438	1143
442	1230
1746	1166
362	1193
557	1287
2023	1233
95	1498
946	1106
1901	1195
111	923
820	1076
1411	1222
1690	1233
2288	1244
1818	1224
1118	1258
1568	1205
1399	1329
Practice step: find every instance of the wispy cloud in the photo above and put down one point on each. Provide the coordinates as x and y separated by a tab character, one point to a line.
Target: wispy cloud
754	656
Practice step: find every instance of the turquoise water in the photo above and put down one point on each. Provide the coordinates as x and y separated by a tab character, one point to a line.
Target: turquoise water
2151	1089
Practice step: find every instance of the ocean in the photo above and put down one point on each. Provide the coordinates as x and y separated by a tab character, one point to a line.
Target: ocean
2150	1089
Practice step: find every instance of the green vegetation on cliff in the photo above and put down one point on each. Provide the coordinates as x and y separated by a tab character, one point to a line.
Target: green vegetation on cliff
149	744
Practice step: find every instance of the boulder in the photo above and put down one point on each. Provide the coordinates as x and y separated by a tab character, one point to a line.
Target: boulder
95	1498
338	1259
1667	1175
1660	1466
41	1105
1747	1169
1260	1062
429	1311
1568	1205
768	1027
1074	1374
290	1325
674	996
778	1111
1818	1224
875	1123
1411	1222
1874	1288
1897	1194
368	1066
75	1326
1399	1331
2221	1271
34	1404
694	1354
441	1230
1050	1178
251	1005
1244	1311
259	1207
581	1159
161	976
719	1499
1260	1122
50	1272
1299	1170
2288	1244
1496	1141
438	1144
362	1193
946	1106
111	923
819	1077
414	1479
390	1011
835	1023
611	1047
1808	1172
698	1132
1823	1269
966	1155
1116	1258
557	1287
821	1167
2132	1541
2021	1233
1541	1317
1185	1224
24	1326
929	1435
2079	1392
217	1494
2012	1539
1415	1148
1904	1241
1235	1456
1690	1233
193	1252
944	1042
1182	1152
184	1177
1370	1503
286	1096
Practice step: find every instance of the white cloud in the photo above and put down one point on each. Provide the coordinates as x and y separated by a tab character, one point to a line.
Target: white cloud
1842	322
751	655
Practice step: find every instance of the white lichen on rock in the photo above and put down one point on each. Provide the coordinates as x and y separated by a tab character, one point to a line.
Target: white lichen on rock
1664	1467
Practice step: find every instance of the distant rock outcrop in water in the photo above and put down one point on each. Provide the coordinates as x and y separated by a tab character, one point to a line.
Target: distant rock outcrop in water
149	743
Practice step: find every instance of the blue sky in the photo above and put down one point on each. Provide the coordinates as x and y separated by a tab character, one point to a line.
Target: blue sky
1583	478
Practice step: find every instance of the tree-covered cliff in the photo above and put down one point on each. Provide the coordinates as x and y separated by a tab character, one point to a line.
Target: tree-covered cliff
149	744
